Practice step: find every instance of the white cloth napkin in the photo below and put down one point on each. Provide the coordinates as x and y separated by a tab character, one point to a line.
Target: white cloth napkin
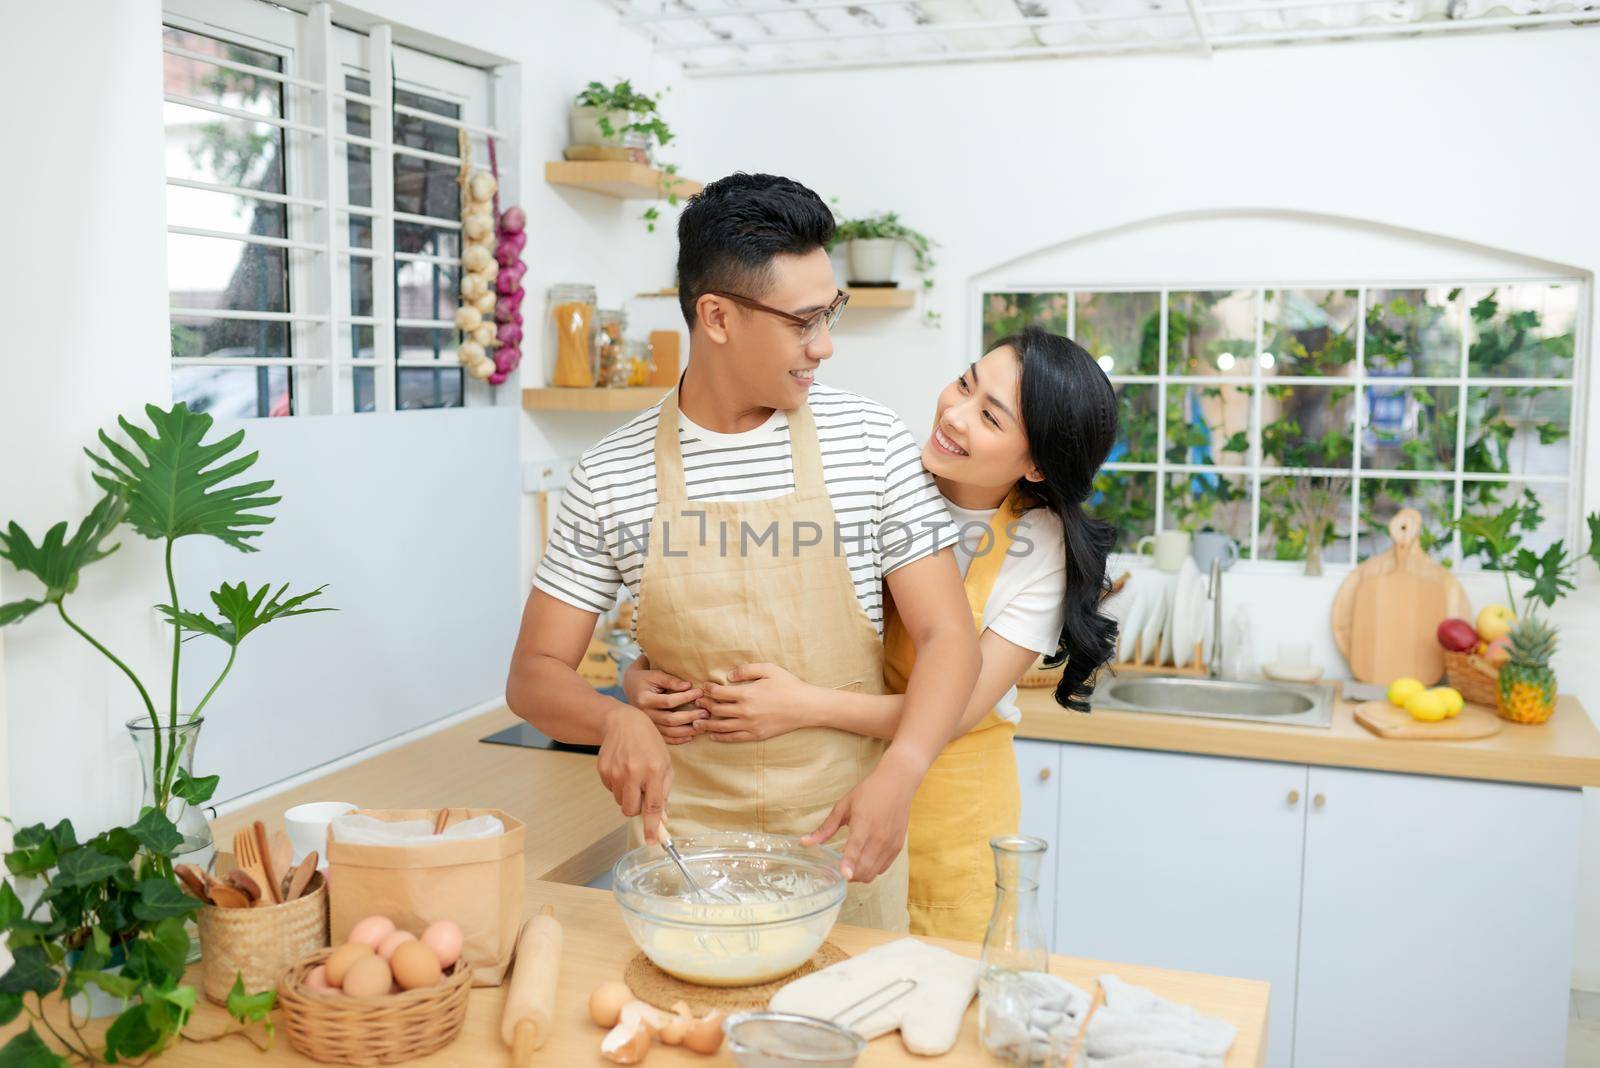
1137	1029
928	1018
369	830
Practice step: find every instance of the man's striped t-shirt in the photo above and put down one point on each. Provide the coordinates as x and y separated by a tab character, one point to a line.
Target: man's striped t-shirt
889	510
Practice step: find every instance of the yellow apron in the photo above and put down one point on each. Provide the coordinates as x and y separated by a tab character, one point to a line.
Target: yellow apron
971	792
735	582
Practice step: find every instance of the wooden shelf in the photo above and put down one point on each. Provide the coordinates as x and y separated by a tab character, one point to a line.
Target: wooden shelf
875	297
557	399
616	178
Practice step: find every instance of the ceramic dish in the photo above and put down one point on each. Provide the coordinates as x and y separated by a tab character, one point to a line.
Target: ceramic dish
1132	623
1184	633
1156	621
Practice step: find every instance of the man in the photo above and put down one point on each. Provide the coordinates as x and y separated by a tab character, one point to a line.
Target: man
752	526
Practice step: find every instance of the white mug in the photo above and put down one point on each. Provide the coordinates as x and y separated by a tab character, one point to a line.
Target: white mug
1170	546
307	827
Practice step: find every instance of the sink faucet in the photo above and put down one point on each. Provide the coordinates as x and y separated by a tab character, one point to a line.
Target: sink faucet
1214	662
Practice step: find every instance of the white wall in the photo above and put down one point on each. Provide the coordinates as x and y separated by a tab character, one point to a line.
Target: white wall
1480	141
88	286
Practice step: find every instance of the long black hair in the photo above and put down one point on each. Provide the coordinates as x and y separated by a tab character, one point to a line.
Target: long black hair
1070	414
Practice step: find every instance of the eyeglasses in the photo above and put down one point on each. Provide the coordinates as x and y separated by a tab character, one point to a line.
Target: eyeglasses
810	325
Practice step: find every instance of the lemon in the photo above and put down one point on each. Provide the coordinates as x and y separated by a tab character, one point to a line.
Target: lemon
1401	690
1453	700
1429	706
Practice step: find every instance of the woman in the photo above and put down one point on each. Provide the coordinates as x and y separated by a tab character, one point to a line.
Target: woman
1016	443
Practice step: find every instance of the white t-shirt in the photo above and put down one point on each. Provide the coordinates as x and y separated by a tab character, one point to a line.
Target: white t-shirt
890	512
1027	606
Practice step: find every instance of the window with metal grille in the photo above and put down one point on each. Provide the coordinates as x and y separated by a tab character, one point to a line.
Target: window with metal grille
1241	404
313	212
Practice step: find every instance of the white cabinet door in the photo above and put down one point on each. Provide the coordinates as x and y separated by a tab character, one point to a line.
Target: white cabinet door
1438	922
1039	768
1185	862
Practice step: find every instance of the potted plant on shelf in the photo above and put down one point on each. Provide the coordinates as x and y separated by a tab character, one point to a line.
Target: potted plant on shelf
103	929
1516	646
872	243
169	485
617	116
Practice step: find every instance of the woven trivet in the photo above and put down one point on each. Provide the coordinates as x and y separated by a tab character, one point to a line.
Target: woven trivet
649	983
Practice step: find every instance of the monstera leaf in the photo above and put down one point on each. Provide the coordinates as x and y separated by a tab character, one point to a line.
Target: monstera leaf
173	480
242	611
57	560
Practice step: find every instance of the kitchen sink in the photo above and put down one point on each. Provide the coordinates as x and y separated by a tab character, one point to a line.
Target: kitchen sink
1266	702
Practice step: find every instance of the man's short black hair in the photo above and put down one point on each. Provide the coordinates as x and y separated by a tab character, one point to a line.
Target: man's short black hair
730	231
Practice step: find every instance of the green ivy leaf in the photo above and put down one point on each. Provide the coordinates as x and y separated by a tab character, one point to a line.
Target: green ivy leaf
174	482
27	1050
30	972
246	1007
156	832
11	909
118	986
57	560
10	1007
160	898
87	867
243	612
196	791
131	1034
170	941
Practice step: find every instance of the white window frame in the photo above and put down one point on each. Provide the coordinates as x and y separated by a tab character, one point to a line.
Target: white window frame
317	55
1254	469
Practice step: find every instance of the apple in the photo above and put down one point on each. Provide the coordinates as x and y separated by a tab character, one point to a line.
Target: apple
1499	651
1495	621
1457	635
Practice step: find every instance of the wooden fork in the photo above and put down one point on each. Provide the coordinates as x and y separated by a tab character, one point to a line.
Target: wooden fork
247	855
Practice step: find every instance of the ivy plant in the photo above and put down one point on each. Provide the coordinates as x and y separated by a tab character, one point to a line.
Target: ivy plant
104	913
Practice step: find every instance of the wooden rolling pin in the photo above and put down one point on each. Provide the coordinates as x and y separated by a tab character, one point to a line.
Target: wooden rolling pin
531	997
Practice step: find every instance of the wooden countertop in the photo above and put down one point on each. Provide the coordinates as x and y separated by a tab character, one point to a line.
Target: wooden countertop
596	947
574	834
1565	751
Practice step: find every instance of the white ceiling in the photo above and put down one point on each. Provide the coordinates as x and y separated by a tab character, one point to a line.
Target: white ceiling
733	37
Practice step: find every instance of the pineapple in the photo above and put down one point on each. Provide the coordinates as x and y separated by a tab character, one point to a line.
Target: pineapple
1527	685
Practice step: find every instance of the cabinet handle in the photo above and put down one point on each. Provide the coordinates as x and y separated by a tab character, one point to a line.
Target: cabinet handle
1044	774
1294	797
1319	800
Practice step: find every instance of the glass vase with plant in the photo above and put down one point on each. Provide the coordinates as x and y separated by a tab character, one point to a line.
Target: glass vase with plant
167	483
105	914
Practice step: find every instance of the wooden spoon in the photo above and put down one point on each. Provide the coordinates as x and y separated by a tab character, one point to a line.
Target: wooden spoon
194	881
273	873
300	878
247	886
225	896
282	860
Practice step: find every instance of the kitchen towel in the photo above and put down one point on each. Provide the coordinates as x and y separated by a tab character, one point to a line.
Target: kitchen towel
928	1017
1137	1029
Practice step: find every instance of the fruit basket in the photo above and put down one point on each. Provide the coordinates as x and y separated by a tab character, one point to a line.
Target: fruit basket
1473	678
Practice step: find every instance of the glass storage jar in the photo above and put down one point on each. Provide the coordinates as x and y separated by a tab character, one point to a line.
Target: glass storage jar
570	358
610	325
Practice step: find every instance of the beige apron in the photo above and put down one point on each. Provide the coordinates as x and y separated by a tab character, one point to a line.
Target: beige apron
736	582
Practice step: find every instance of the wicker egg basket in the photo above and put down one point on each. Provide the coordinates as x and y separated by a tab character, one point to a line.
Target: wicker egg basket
257	944
1473	678
337	1029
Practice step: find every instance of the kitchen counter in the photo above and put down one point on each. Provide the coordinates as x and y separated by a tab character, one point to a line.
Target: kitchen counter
596	947
1565	751
574	834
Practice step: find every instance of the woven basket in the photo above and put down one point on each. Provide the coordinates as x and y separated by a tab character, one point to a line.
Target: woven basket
1469	675
260	943
337	1029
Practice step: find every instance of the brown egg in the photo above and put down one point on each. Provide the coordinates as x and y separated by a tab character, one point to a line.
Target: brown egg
372	930
339	961
415	965
367	977
605	1003
387	947
705	1035
444	938
317	979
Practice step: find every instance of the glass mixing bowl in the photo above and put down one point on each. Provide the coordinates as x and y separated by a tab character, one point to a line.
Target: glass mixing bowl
787	896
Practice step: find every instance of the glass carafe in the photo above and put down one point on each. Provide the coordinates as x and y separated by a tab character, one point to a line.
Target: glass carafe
1015	939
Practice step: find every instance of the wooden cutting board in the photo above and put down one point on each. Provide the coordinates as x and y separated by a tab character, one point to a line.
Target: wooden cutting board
1387	721
1387	612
